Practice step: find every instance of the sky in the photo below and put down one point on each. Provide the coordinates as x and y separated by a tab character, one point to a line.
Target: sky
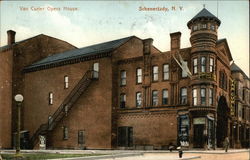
84	23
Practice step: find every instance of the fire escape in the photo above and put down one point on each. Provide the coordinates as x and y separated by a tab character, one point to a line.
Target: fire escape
66	106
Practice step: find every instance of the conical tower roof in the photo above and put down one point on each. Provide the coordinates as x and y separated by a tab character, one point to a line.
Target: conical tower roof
235	68
204	13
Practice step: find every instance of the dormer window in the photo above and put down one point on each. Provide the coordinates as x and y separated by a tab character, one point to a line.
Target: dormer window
195	28
212	27
204	26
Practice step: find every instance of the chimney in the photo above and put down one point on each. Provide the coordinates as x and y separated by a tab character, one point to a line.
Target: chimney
11	37
175	40
147	45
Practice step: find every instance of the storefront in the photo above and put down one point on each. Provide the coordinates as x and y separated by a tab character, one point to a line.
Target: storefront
203	132
183	130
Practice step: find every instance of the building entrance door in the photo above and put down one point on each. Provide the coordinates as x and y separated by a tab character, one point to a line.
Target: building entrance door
223	112
210	134
125	136
198	135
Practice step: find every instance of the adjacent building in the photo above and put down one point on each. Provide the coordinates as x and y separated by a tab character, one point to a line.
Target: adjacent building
126	93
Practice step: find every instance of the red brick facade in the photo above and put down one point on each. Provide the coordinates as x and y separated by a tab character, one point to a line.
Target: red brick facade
141	99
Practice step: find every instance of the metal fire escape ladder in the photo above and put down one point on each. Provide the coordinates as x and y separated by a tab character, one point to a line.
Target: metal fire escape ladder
66	105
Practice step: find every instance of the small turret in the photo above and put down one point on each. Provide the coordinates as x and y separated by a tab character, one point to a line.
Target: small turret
203	31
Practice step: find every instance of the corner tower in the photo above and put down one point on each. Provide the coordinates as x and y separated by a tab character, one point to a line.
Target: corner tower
202	110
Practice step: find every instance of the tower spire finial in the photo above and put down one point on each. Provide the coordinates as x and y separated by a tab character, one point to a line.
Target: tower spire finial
204	6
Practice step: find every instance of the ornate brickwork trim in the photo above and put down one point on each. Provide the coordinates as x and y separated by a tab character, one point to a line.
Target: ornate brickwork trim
130	60
66	62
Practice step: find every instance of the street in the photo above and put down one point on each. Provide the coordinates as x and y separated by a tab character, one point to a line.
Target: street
198	156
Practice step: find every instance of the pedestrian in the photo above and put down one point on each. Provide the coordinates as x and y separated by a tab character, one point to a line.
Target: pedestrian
226	144
171	147
180	151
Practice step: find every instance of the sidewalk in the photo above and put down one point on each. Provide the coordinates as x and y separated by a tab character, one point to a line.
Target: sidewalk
132	154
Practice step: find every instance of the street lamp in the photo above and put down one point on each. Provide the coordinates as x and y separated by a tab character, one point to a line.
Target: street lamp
18	99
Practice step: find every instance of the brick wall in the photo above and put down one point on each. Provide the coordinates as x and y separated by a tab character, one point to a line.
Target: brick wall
5	98
91	113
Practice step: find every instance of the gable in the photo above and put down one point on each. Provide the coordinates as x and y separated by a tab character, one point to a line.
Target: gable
223	50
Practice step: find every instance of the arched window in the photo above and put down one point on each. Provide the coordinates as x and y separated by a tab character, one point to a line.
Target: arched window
223	80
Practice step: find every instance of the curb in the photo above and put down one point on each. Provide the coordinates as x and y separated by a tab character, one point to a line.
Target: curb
103	157
232	152
195	157
120	156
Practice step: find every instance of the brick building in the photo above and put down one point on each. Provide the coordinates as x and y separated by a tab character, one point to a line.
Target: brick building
126	93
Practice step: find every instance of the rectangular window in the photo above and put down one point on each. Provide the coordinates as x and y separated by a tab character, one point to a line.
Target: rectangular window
96	70
65	133
203	96
194	97
165	71
154	98
195	65
50	119
211	65
184	73
123	78
203	64
66	82
243	95
50	98
138	99
195	28
204	26
155	73
81	137
122	100
210	96
183	95
138	75
212	27
164	96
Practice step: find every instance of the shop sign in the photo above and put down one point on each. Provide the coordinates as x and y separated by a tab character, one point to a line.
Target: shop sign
232	97
199	121
205	75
